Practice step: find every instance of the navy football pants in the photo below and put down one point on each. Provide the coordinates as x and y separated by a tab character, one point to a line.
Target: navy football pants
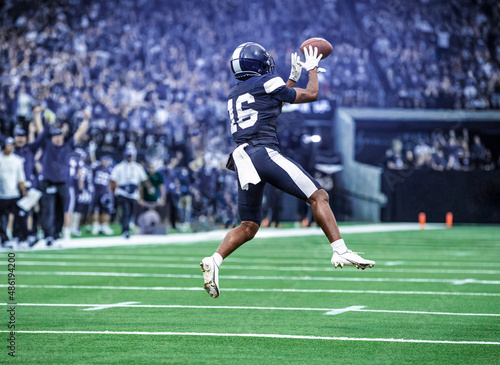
53	201
277	170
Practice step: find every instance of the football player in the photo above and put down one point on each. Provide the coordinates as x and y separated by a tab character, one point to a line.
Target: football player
254	104
103	199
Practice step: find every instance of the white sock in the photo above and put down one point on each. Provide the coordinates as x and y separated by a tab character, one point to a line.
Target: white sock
218	259
339	246
76	221
67	233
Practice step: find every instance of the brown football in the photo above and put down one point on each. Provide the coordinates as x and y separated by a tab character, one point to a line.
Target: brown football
324	47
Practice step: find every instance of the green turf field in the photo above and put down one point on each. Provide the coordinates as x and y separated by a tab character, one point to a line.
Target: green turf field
433	297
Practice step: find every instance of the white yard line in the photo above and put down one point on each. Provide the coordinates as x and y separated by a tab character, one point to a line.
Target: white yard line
278	290
105	306
255	277
275	261
249	267
261	335
196	259
330	311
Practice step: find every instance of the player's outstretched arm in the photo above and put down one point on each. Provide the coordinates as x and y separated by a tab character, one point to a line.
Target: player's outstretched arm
310	93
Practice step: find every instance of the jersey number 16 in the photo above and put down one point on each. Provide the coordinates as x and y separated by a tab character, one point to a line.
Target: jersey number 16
239	117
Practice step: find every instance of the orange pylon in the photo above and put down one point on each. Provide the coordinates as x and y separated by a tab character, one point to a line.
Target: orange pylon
449	219
421	220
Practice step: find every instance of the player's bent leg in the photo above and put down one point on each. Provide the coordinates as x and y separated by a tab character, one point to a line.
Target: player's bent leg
234	239
325	218
323	215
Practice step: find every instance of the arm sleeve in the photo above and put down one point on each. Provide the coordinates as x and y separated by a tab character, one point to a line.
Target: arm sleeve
278	89
39	140
286	95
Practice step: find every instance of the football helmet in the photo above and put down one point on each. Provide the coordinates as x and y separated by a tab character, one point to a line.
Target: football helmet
251	59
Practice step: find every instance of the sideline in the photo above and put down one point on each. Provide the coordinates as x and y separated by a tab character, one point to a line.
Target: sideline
218	235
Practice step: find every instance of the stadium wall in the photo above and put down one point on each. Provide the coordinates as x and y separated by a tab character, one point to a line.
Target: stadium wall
374	195
357	183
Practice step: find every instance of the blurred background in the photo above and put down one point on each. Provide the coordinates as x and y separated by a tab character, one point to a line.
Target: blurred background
408	118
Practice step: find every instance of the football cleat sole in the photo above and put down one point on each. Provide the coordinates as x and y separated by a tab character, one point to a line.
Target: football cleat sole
209	280
357	261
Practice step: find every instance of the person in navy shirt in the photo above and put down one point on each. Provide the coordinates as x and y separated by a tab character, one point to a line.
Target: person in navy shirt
254	104
55	171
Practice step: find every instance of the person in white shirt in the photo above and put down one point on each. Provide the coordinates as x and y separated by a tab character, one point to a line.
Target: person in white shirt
125	180
11	189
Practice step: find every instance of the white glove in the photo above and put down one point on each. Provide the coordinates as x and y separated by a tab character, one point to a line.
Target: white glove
296	67
312	58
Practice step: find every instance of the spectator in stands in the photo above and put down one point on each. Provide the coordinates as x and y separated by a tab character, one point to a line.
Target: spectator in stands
11	189
453	150
477	153
423	155
158	198
394	160
438	162
494	87
409	160
185	203
171	191
9	108
464	155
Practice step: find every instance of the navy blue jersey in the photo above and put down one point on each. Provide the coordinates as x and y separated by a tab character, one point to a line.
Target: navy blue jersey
87	188
75	165
254	106
101	177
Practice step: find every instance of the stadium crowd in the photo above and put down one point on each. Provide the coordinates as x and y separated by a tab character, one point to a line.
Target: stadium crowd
155	75
440	152
435	54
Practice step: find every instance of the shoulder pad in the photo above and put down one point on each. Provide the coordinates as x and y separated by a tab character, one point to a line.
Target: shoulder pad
273	84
